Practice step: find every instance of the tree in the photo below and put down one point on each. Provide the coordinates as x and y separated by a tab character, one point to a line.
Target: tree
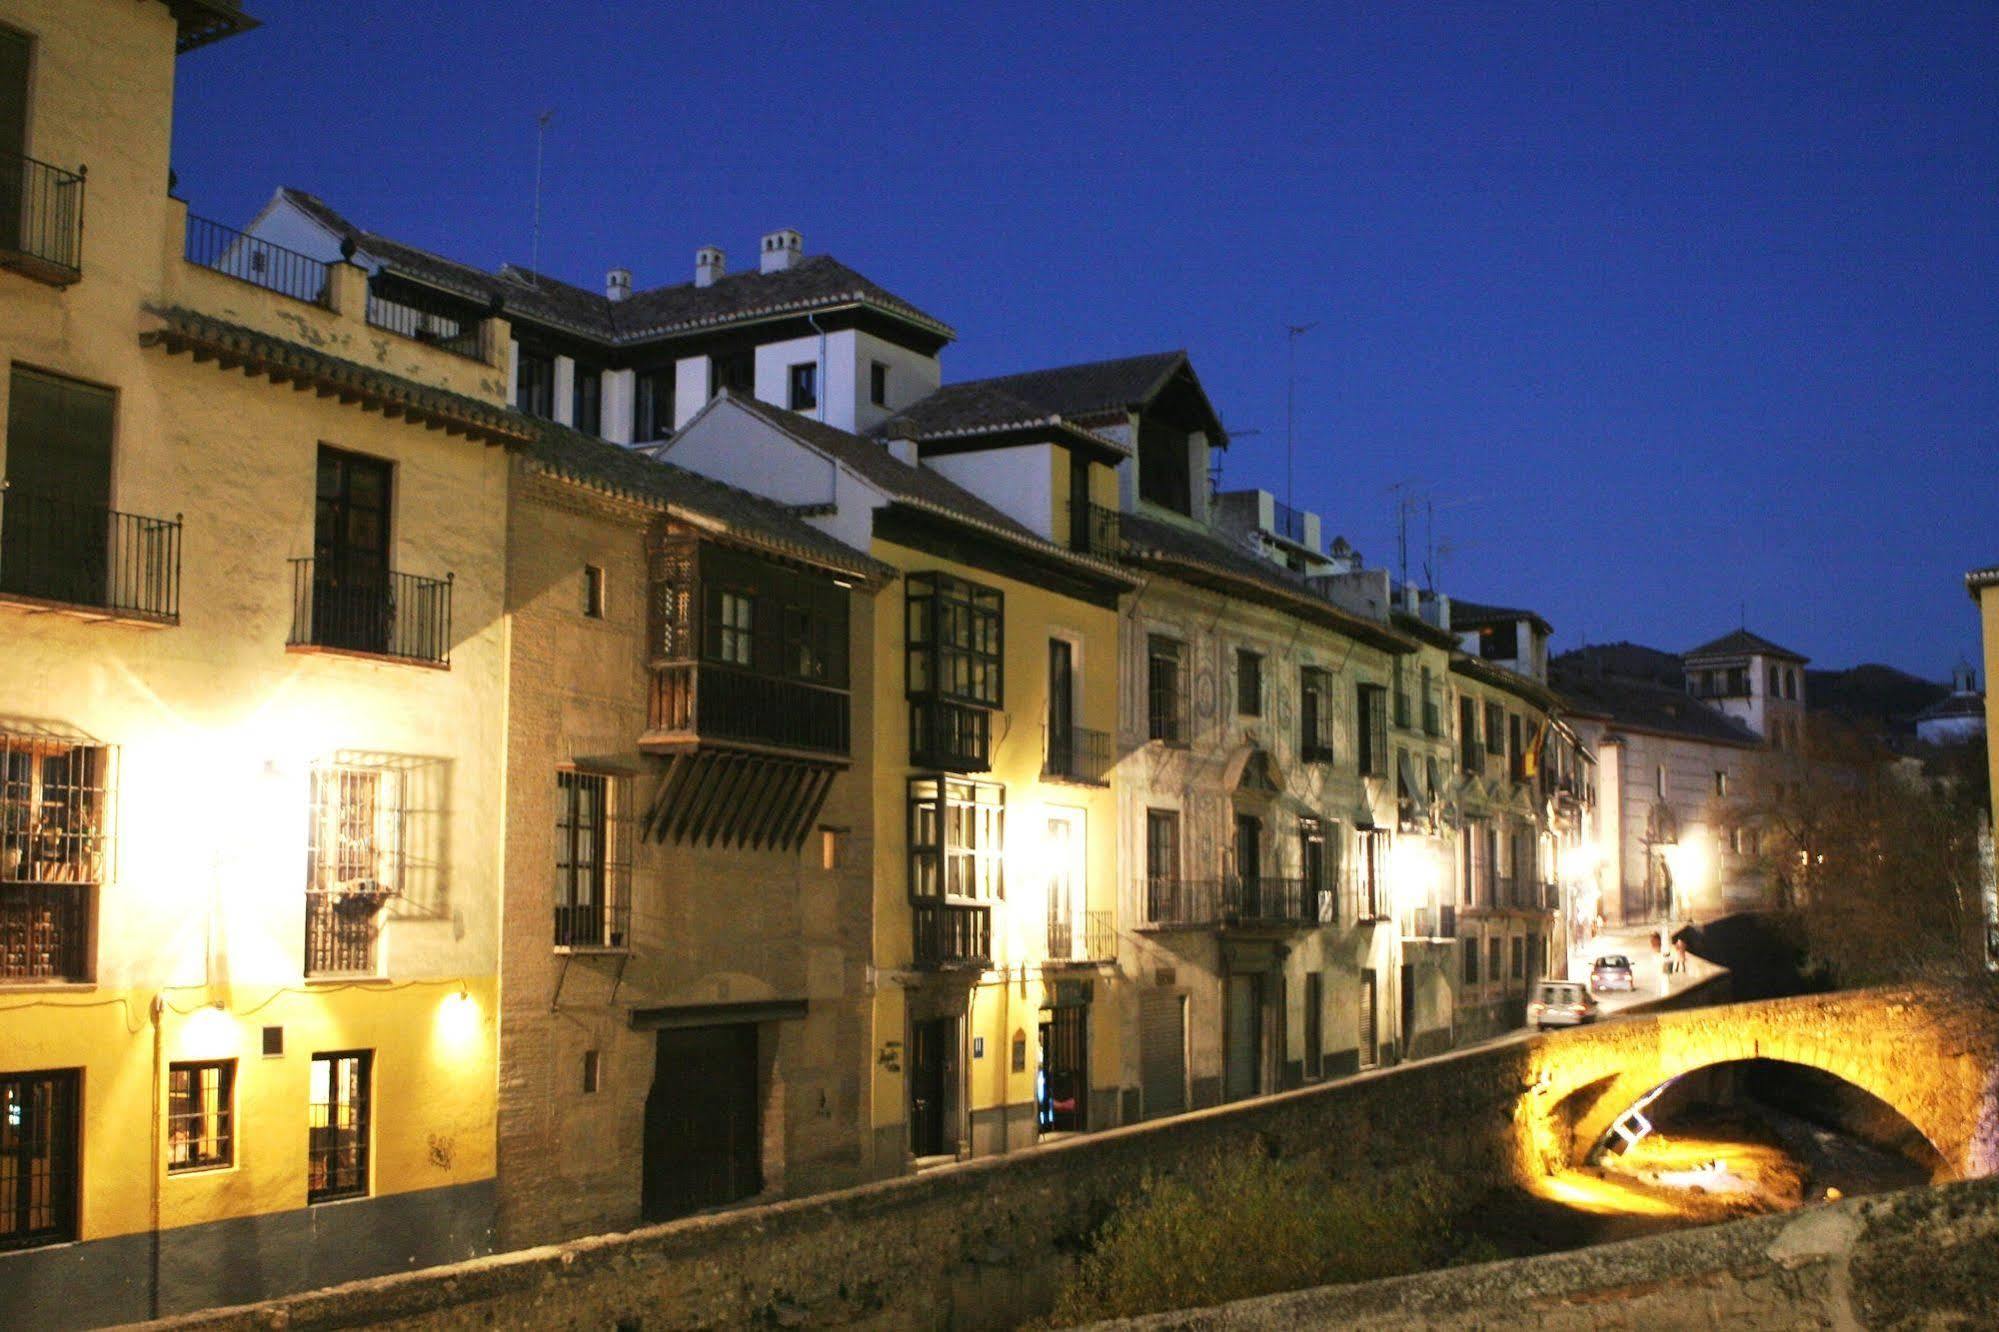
1875	855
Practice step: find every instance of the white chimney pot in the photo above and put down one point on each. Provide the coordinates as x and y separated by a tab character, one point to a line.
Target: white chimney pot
781	250
709	264
618	284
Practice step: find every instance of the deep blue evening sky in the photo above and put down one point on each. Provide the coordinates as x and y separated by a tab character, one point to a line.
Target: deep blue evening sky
1670	308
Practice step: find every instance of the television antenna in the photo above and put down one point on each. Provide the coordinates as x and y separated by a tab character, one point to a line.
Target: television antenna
1292	332
534	240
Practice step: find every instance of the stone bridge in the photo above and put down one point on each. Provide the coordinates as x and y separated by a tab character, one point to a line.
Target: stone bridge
986	1244
1929	1054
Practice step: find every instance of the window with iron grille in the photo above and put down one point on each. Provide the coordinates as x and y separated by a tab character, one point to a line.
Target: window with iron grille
1248	683
354	864
55	851
1371	730
39	1127
337	1125
955	639
200	1114
956	840
592	860
1165	690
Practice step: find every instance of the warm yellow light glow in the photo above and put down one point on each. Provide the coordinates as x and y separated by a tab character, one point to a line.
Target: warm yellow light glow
208	1033
1579	861
1413	866
1688	861
458	1019
1601	1197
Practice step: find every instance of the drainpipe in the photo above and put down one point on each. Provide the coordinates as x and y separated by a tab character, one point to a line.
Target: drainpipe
153	1161
824	387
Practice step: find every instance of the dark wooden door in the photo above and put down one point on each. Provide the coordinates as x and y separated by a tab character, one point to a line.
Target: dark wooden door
1061	706
1242	1038
929	1060
1370	1021
351	597
1064	1089
1249	864
703	1129
38	1158
55	516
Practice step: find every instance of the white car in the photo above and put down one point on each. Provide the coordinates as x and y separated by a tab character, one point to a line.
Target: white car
1561	1004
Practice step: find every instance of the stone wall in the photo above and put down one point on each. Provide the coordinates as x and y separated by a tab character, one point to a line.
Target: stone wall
1919	1258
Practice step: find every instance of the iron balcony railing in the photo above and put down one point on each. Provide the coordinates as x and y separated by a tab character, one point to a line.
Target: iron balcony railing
84	555
44	931
593	927
1236	900
953	737
429	317
710	701
342	927
41	219
1093	530
952	934
252	259
1074	754
380	613
1097	937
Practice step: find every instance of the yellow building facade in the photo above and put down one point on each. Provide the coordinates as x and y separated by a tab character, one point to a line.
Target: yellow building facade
251	711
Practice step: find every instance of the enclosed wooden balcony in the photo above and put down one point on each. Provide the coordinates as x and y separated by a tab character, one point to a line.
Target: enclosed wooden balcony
952	934
692	703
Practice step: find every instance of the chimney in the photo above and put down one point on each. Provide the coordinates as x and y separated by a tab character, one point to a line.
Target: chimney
617	284
782	249
900	444
709	264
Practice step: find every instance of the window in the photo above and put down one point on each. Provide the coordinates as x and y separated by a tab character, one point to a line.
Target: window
1720	782
1470	753
274	1042
1165	694
1165	470
1315	740
1776	683
38	1158
1248	683
1162	864
592	861
337	1126
1471	961
1495	729
593	591
955	635
1433	721
586	400
1312	870
534	387
956	839
355	861
1371	730
1401	695
1659	781
1519	957
652	404
59	539
731	626
802	387
734	371
1495	960
832	848
1315	1002
1791	683
878	383
1371	888
593	1072
54	848
200	1099
1516	749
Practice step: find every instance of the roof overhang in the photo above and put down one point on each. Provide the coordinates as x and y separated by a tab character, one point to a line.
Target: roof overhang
1978	580
1512	682
1047	430
1303	604
205	21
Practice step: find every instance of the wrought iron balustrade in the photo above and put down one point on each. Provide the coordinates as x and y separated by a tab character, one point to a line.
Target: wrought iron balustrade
41	220
952	934
380	613
1096	935
586	927
1094	530
712	701
1255	899
1077	755
342	927
430	317
85	555
44	930
252	259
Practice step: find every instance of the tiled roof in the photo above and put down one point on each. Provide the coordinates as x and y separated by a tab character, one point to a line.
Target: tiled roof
1642	704
1071	394
1741	643
1148	541
979	408
1956	705
1472	614
816	282
589	461
204	21
1981	578
920	487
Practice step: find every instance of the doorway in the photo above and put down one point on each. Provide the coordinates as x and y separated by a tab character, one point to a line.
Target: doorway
55	513
1242	1056
703	1121
1062	1090
930	1061
351	596
1370	1020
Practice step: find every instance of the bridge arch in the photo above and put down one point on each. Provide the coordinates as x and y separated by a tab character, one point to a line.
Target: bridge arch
1930	1055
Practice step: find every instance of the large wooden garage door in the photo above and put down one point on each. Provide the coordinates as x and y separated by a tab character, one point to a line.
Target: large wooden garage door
703	1129
1162	1052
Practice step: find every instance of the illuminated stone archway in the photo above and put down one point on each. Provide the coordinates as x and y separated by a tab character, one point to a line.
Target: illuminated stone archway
1931	1056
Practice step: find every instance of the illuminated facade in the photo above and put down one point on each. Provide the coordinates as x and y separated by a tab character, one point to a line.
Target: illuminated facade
251	718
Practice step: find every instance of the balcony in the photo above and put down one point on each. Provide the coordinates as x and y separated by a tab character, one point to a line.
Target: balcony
44	931
403	617
425	315
86	558
256	261
1076	755
342	926
1093	530
1438	922
592	927
951	737
41	220
951	934
1231	903
692	702
1097	937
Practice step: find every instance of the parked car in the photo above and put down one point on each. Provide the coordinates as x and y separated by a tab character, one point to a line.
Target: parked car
1561	1004
1612	971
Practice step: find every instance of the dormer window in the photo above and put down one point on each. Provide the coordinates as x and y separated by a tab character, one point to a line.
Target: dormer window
878	384
1165	474
802	392
734	371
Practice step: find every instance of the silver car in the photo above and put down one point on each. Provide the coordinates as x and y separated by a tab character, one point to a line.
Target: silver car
1561	1004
